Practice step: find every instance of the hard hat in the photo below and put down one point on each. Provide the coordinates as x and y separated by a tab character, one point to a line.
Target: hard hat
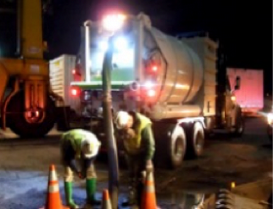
122	118
90	145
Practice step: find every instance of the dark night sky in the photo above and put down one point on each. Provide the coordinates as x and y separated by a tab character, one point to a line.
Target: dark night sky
243	27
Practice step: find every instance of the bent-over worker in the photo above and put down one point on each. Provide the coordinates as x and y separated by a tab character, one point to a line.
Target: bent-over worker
79	149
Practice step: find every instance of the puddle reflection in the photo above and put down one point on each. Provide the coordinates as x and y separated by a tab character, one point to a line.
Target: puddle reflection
180	200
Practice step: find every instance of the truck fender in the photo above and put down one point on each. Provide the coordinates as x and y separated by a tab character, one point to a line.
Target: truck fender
6	102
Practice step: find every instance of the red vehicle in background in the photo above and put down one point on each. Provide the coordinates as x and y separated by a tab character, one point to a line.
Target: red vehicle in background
250	96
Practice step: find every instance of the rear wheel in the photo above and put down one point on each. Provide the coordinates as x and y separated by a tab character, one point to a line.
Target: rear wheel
239	129
170	145
18	124
195	139
177	147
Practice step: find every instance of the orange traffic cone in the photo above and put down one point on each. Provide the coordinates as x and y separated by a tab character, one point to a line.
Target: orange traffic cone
106	202
53	199
148	200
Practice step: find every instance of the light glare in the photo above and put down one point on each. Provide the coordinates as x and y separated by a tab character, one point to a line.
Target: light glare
151	93
121	43
113	22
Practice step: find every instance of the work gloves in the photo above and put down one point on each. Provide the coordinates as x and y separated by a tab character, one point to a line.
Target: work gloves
126	134
149	166
131	133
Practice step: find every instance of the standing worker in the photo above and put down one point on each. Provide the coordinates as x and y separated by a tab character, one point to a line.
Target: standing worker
79	148
135	131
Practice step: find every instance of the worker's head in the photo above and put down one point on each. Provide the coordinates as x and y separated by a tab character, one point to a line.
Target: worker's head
124	120
90	146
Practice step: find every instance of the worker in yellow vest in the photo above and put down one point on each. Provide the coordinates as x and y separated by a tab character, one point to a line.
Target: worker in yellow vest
135	131
79	149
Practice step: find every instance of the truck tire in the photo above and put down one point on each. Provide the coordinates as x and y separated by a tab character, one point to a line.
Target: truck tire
18	124
177	147
239	129
240	124
170	145
195	139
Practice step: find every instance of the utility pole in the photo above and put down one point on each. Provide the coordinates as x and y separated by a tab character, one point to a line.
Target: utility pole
108	126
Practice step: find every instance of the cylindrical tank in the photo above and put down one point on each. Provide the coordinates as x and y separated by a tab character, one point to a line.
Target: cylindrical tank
159	112
181	76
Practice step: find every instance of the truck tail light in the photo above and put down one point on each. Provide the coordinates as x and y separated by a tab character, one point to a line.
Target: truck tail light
74	91
154	68
151	93
76	73
150	90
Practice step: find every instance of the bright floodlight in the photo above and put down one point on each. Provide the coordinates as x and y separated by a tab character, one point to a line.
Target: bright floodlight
113	22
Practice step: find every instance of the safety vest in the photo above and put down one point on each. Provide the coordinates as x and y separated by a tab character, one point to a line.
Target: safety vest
132	145
76	137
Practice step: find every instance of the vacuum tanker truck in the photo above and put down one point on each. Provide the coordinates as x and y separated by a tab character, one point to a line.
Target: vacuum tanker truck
170	80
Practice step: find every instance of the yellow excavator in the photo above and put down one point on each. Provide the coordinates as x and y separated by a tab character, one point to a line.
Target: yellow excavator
28	109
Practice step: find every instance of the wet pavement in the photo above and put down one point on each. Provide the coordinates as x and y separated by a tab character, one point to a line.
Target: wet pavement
24	168
28	190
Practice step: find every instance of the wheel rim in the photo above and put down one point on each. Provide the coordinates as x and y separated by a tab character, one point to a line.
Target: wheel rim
178	149
22	127
34	115
199	142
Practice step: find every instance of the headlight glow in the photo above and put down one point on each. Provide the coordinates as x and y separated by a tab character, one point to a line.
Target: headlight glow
270	118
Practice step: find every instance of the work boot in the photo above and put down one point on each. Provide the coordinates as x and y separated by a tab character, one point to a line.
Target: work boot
132	199
91	185
68	195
